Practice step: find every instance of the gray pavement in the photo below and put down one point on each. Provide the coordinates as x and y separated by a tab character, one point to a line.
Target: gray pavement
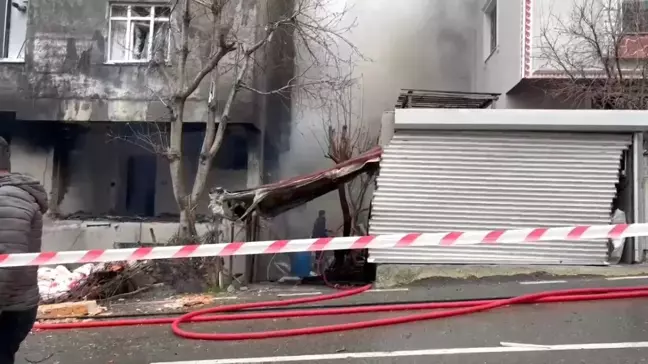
438	289
473	339
389	275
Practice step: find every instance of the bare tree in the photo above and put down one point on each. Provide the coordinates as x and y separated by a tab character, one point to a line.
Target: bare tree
599	49
236	49
347	136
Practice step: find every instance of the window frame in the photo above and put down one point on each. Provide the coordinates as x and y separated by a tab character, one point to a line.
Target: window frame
129	19
491	28
14	53
6	24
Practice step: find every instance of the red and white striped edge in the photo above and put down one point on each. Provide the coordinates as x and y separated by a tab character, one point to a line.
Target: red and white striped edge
586	232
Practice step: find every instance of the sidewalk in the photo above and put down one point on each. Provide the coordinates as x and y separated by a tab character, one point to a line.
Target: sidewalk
448	287
388	275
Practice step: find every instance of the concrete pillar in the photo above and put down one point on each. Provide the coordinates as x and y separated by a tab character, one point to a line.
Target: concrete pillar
255	158
386	128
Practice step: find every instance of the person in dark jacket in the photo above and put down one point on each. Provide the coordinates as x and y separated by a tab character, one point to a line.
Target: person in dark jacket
320	231
319	227
23	201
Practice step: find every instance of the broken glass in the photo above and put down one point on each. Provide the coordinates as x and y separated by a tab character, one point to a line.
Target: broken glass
160	40
119	10
141	11
140	39
162	12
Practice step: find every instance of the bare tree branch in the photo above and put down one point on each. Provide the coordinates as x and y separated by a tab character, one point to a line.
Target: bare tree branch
219	43
224	49
599	49
347	136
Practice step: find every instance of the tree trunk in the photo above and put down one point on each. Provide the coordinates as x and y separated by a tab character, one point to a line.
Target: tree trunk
187	229
200	181
176	168
340	255
346	212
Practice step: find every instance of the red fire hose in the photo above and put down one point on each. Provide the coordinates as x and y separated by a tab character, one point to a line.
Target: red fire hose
453	309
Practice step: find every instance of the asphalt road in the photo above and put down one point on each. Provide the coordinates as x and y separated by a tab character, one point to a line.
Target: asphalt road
586	332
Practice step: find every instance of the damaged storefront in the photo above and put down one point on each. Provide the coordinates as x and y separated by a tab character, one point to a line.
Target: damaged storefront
107	188
251	210
477	169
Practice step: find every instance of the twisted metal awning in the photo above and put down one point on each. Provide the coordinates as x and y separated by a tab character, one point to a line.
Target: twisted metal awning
272	199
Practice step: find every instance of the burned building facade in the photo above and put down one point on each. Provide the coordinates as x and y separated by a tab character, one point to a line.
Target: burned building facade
76	94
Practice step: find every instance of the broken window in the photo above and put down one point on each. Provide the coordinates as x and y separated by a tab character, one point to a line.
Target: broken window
13	28
139	33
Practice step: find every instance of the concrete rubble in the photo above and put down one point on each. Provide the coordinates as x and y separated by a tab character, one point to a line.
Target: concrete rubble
196	300
69	310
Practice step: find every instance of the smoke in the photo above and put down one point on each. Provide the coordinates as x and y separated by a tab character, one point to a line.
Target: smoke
424	44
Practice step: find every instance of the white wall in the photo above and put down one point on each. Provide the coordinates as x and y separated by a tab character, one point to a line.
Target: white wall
425	44
500	72
522	23
64	235
78	235
505	68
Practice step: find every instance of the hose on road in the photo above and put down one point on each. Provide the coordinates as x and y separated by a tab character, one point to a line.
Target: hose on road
456	308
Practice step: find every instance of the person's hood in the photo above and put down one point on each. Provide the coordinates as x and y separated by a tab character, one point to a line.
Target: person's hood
29	185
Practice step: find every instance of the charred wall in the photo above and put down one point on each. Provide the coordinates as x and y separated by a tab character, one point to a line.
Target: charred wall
66	75
277	110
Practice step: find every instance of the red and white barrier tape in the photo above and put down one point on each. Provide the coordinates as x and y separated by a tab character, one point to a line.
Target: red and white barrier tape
587	232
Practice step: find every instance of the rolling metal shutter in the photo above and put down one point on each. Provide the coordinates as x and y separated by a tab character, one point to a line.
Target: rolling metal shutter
435	181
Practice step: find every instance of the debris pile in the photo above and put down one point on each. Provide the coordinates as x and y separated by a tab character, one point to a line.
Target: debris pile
58	282
90	281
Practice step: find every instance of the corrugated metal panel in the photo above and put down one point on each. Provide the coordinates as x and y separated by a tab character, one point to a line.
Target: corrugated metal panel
432	181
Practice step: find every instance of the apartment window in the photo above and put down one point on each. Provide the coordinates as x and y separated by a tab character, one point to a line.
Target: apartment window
139	33
490	16
634	16
13	29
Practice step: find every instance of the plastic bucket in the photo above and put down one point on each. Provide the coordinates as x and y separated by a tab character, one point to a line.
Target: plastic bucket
301	264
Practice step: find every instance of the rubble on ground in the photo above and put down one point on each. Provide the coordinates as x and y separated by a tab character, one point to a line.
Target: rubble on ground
122	280
190	301
92	281
69	309
57	282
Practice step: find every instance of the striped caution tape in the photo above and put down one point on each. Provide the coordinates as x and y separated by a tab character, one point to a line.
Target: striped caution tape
574	233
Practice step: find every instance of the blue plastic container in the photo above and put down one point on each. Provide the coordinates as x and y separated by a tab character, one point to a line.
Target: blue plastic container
301	264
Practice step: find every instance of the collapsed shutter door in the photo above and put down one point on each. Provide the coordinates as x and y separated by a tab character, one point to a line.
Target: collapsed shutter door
435	181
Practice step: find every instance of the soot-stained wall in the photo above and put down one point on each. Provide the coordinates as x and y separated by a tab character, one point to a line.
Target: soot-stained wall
66	75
